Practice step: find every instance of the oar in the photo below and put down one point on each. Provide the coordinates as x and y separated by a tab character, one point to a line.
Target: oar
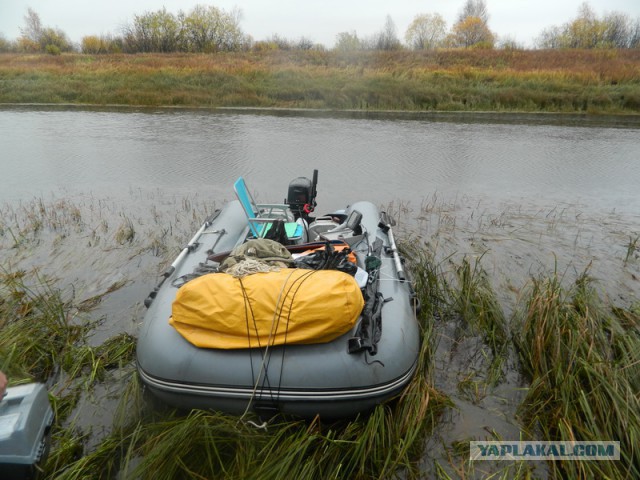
190	247
385	224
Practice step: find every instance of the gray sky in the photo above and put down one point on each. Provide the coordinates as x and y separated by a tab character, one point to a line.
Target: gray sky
319	21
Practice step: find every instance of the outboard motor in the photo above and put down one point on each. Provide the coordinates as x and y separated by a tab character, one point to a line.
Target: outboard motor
301	197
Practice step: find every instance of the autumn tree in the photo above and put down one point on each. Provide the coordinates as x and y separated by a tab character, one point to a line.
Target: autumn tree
95	45
551	37
472	29
209	29
615	30
426	31
158	31
34	37
203	29
472	32
5	45
32	30
586	30
634	34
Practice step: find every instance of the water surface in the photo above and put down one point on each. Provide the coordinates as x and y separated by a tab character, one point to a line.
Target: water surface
112	152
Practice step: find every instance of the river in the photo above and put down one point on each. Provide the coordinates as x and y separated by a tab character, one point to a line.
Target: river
515	158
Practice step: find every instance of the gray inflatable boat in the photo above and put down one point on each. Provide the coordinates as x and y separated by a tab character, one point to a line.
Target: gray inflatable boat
350	374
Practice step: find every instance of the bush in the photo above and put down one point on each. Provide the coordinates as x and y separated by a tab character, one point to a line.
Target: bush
52	49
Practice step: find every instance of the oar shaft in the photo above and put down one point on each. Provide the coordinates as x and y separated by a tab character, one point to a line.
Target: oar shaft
396	257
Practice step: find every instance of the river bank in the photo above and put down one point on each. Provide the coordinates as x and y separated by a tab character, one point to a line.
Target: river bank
568	81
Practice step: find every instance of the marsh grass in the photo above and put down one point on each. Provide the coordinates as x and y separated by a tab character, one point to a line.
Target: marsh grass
474	300
24	223
462	292
583	361
37	327
40	333
444	80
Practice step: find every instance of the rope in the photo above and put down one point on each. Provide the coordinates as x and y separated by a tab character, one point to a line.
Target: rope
300	281
249	266
266	352
275	324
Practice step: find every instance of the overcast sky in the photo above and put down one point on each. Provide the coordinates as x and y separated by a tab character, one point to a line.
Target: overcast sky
316	20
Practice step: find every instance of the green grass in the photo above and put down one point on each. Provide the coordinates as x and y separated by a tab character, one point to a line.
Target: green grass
43	338
37	327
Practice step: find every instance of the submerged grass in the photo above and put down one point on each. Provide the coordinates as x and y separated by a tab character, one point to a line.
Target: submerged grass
461	292
42	335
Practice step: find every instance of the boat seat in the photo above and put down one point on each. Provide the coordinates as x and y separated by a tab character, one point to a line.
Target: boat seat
260	217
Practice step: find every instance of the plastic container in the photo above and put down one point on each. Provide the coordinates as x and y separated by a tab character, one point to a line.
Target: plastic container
25	420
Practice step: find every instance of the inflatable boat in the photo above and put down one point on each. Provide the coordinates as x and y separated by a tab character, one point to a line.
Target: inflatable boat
271	310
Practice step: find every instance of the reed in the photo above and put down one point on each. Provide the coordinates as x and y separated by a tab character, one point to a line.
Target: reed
431	286
632	248
475	302
463	292
583	361
92	363
214	445
43	338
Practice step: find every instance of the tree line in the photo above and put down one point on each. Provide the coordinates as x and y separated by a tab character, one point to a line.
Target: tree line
207	29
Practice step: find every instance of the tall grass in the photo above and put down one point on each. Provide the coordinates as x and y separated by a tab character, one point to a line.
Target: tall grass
447	80
475	301
41	334
462	291
583	361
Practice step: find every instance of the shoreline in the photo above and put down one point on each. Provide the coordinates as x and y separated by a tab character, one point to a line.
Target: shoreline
623	119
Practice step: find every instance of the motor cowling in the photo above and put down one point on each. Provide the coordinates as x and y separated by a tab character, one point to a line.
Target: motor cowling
300	196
